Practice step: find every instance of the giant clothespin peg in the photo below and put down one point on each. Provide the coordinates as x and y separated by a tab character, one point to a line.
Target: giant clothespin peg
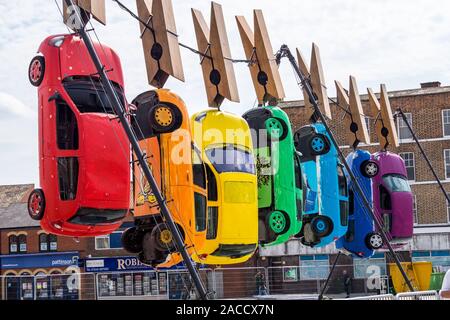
217	66
384	120
96	8
354	120
304	68
160	42
257	47
388	117
318	81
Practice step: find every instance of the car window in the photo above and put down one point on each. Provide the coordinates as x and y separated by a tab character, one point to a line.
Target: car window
342	181
234	250
385	199
66	127
68	178
90	97
298	172
213	221
198	168
396	183
200	212
212	184
231	159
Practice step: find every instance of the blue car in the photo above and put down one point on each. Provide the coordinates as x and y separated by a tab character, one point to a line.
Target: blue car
325	205
361	240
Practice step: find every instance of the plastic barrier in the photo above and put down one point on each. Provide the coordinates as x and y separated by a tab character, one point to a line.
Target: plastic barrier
419	274
377	297
420	295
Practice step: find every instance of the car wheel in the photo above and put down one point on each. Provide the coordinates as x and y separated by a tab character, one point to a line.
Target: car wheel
321	226
164	240
276	129
132	240
374	241
165	118
278	222
369	169
36	71
36	204
318	144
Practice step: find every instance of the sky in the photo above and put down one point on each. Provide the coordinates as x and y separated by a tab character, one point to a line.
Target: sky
400	43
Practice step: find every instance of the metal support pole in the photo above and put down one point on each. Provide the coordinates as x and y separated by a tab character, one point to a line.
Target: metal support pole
329	277
285	52
405	120
119	110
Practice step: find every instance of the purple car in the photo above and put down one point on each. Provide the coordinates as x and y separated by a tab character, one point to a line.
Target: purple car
392	196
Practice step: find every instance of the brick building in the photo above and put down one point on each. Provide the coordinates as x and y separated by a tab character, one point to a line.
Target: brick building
428	109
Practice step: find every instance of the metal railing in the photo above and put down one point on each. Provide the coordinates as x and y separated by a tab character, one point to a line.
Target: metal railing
273	283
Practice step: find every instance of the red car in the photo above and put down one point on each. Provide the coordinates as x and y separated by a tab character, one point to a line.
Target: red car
84	154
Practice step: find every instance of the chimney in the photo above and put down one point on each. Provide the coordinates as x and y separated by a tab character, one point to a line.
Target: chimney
434	84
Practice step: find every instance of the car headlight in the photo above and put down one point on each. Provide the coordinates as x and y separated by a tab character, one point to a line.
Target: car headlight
57	41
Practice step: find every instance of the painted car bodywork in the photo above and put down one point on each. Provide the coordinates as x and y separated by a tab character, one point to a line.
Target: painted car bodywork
96	159
360	222
393	206
180	174
279	180
232	228
323	175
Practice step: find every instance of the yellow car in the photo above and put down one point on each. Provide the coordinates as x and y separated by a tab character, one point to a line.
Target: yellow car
232	220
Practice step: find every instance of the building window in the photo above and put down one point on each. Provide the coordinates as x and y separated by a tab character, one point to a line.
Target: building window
314	267
22	243
111	241
408	157
403	130
439	259
13	244
47	242
446	122
448	209
43	242
53	242
416	216
290	274
364	268
447	163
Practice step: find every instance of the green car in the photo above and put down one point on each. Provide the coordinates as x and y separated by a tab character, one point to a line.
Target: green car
279	176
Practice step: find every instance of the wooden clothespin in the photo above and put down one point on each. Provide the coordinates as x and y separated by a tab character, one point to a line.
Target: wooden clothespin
160	42
318	81
264	69
217	67
355	121
96	8
384	124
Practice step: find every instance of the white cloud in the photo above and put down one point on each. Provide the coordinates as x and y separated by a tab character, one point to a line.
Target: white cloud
13	106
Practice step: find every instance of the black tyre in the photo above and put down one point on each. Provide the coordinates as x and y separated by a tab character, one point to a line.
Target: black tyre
321	226
132	240
369	169
165	118
318	144
374	241
36	71
36	204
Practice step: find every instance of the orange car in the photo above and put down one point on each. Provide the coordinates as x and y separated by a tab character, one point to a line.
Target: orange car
180	173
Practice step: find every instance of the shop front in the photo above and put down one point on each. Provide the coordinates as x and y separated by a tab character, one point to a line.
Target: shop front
40	276
127	277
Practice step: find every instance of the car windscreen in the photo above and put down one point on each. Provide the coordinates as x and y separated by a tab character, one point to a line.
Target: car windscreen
234	250
90	97
396	183
231	159
91	216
